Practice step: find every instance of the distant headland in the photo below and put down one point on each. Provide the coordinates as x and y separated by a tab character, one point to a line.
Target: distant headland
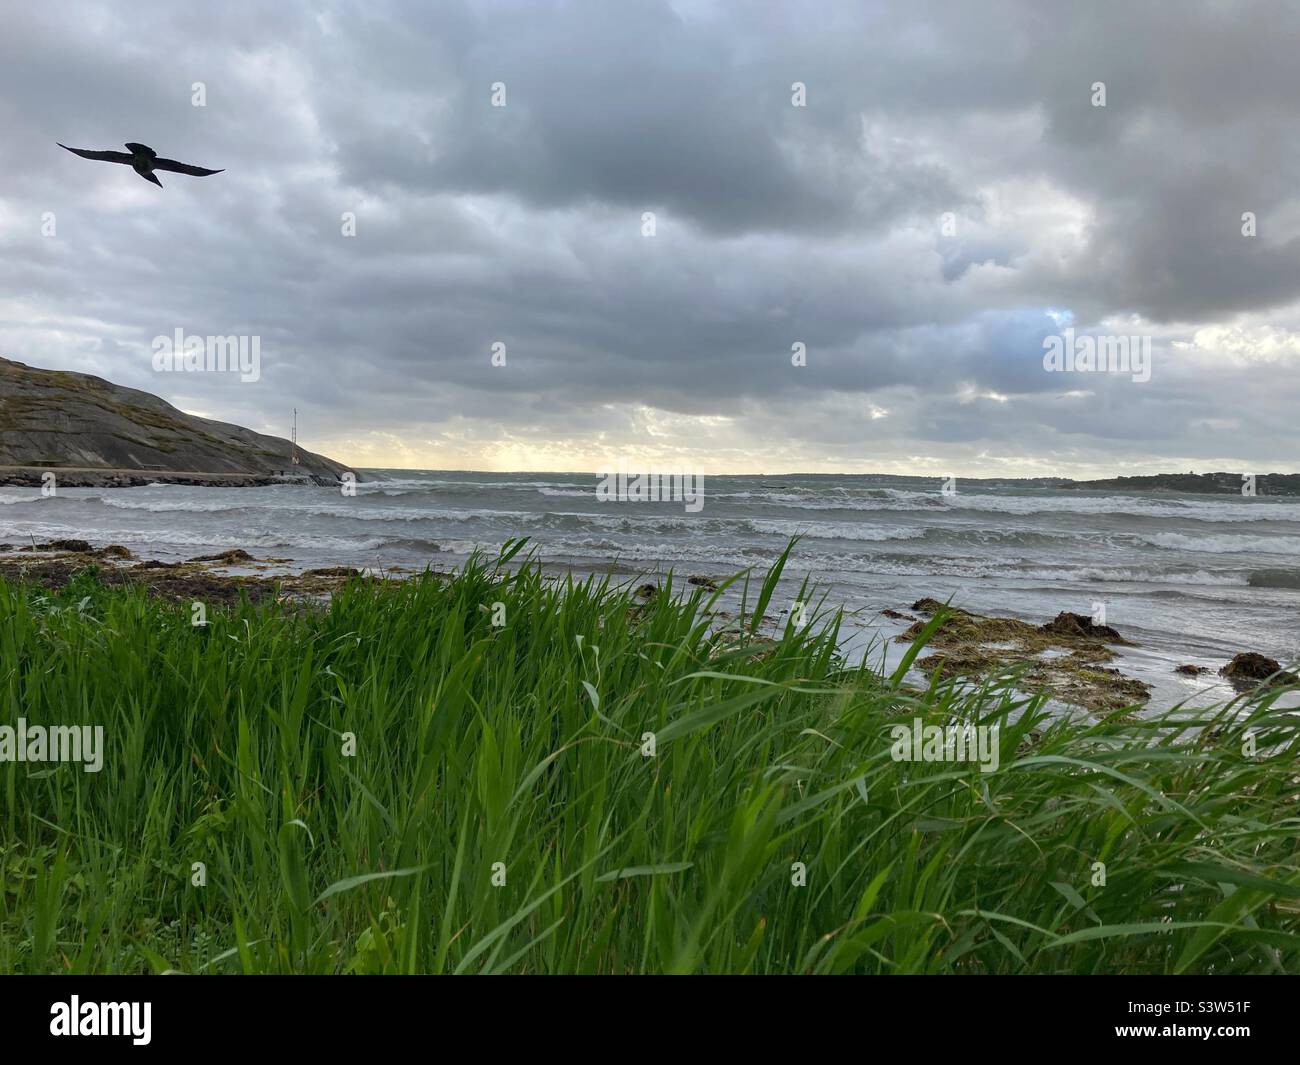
89	432
1264	484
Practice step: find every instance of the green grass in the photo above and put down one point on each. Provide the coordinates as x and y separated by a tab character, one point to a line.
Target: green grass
522	744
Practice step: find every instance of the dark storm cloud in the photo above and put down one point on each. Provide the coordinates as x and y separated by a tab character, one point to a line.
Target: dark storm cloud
823	225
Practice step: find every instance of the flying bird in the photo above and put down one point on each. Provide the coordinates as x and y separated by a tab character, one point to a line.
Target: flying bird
143	160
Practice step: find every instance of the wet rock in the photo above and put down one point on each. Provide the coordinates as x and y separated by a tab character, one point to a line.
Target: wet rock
76	546
898	615
647	591
966	646
1080	625
1191	671
706	583
333	571
114	551
1251	668
228	558
181	581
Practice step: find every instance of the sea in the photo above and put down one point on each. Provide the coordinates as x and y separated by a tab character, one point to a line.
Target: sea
1190	579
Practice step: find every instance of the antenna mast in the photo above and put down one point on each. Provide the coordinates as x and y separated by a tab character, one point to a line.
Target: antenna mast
293	438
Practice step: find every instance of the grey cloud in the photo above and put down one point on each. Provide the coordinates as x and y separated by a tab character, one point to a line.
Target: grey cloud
775	224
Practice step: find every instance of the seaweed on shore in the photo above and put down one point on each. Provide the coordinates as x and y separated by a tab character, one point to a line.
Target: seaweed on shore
55	565
1066	657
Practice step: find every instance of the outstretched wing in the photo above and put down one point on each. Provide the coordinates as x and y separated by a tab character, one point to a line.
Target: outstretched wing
105	157
182	168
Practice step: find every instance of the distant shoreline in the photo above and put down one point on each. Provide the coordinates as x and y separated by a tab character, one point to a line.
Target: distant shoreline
1218	483
1240	484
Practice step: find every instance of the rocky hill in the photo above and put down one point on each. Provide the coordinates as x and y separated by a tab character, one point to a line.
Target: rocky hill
92	432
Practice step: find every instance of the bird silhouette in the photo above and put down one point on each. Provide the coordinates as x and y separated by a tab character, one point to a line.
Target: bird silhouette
143	160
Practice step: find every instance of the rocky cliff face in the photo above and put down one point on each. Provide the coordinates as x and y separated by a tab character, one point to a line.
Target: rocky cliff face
58	420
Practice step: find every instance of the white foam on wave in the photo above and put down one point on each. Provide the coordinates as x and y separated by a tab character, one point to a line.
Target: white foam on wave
430	484
1137	576
1225	543
1225	510
826	565
617	517
573	493
177	506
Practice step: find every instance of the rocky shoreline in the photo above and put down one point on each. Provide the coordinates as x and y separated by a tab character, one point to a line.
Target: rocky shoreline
55	564
1069	657
1066	657
33	477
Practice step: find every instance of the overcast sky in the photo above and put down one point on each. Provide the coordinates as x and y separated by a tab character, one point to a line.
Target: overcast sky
774	224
